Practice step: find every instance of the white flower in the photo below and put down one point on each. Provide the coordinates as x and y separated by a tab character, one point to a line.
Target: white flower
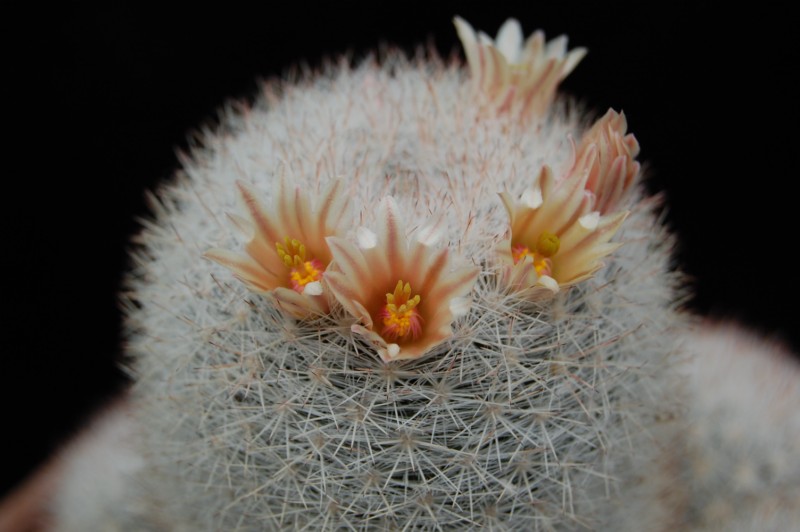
405	296
516	77
607	154
557	238
287	252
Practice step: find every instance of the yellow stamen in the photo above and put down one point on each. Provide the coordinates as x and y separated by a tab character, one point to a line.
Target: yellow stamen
292	252
543	266
303	270
519	252
546	246
400	315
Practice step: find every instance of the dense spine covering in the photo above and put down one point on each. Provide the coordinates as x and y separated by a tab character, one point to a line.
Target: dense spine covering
535	414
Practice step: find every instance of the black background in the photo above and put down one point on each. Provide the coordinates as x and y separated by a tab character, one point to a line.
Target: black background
109	94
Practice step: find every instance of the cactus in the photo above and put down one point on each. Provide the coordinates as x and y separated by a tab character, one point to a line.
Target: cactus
740	449
537	407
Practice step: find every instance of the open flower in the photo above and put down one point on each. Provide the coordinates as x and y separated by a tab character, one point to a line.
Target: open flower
607	154
557	238
405	296
287	252
516	77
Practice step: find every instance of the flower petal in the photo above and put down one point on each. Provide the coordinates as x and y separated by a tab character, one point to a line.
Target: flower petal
350	277
583	258
573	58
244	268
366	239
299	305
393	241
509	40
468	40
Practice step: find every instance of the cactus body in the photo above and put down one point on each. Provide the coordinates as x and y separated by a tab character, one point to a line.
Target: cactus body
528	417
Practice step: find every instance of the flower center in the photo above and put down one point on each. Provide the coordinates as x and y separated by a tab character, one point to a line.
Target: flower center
400	315
302	269
546	246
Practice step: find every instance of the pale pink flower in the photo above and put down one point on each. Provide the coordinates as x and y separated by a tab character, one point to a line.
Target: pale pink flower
404	295
607	154
287	252
516	77
556	237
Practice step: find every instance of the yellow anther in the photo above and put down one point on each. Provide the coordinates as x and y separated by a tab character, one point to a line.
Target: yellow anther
303	270
291	251
400	316
543	266
546	247
519	252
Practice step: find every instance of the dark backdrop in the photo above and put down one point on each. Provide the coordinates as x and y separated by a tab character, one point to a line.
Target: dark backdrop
118	89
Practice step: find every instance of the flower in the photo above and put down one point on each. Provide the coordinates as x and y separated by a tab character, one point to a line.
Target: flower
405	297
557	238
515	77
607	154
287	253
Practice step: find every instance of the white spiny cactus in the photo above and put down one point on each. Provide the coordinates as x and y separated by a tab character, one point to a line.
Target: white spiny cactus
741	452
269	408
